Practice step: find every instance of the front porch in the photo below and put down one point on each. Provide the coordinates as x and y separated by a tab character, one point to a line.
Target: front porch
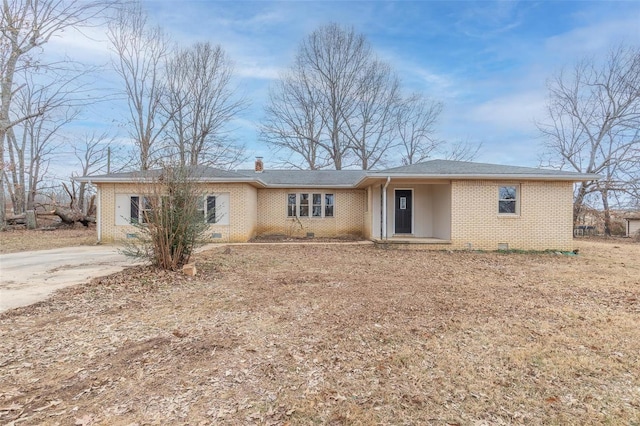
411	212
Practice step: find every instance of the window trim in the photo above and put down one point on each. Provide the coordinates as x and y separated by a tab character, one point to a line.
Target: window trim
515	201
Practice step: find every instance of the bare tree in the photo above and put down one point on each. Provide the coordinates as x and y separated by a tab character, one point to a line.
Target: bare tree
324	82
593	122
34	141
95	154
27	25
370	130
415	121
200	102
140	54
462	150
294	122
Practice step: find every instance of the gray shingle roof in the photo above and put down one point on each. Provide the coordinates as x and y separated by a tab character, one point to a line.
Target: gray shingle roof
449	167
300	178
197	172
434	169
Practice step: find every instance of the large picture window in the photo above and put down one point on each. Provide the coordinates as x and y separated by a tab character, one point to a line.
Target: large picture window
508	200
310	205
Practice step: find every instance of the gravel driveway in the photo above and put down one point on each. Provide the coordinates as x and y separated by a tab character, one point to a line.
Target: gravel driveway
31	276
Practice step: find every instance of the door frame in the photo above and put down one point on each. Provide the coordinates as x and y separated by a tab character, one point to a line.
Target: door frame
412	210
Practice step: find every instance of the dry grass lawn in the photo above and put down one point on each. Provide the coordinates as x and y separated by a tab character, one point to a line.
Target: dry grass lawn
22	240
336	334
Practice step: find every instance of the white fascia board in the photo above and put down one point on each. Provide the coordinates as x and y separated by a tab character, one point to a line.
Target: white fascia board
150	180
310	186
571	178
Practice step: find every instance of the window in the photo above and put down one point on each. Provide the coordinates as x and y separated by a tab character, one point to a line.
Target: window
140	212
508	200
328	205
317	205
304	205
134	210
207	208
291	205
147	209
211	209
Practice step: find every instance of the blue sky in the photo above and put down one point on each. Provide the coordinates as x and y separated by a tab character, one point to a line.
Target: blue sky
487	61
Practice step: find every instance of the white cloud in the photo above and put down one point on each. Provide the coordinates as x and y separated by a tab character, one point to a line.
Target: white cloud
595	38
257	71
88	45
512	112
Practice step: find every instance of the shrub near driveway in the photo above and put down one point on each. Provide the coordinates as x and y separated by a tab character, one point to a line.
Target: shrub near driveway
337	334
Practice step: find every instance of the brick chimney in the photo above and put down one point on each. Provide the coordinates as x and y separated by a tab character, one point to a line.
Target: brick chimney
259	165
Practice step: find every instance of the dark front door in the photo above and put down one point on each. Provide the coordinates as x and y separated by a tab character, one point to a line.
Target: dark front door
404	206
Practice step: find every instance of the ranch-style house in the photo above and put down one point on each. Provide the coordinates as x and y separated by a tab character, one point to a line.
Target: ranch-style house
436	204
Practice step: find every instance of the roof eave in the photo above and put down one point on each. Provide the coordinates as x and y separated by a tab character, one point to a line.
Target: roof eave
484	176
89	179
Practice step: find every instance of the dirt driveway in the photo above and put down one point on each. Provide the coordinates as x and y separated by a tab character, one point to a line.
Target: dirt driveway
31	276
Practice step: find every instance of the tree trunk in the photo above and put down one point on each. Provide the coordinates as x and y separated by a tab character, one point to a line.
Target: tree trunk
70	217
578	202
607	212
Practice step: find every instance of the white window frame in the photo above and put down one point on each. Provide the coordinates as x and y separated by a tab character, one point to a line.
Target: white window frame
123	208
295	209
515	200
203	206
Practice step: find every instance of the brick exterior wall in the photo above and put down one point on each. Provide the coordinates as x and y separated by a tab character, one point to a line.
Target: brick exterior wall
241	222
544	221
348	219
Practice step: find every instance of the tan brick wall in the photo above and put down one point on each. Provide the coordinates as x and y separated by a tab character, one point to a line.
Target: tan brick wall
242	212
544	220
368	213
349	208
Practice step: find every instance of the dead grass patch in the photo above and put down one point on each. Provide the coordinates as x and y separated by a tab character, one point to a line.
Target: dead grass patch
18	240
336	334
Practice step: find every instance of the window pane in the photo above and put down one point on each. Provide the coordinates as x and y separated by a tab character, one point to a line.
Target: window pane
317	205
507	199
328	205
291	205
211	209
147	210
200	207
304	205
135	209
507	192
507	207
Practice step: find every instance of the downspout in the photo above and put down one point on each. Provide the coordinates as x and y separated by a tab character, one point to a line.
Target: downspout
384	209
98	214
